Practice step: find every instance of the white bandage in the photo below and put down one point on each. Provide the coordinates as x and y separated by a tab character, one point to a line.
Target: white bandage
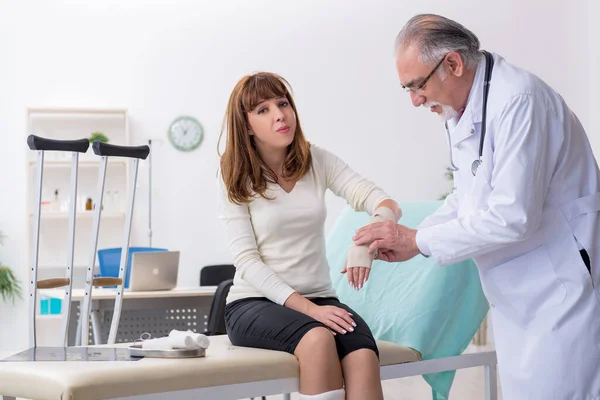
191	339
359	256
162	343
177	340
339	394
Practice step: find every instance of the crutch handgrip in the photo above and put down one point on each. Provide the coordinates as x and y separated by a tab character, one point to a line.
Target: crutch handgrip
106	281
112	150
52	283
40	143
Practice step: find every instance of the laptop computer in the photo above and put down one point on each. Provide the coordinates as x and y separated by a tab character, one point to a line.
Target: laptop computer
156	270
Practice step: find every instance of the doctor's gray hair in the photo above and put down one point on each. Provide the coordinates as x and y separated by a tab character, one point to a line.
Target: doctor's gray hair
435	36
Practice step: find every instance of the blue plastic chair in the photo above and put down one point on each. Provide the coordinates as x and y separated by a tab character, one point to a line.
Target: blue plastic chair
110	259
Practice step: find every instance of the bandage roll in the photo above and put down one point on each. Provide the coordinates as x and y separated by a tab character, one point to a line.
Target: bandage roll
194	340
163	343
183	342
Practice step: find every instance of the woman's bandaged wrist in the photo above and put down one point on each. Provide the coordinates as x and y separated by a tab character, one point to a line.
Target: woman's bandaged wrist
359	256
383	214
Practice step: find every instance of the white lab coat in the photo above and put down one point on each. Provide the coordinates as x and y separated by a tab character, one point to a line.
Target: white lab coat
533	204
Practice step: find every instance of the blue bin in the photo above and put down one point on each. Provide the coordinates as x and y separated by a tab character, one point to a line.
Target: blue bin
50	305
109	261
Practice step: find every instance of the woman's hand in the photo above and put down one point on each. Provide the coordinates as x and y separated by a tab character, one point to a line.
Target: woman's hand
357	276
335	318
361	255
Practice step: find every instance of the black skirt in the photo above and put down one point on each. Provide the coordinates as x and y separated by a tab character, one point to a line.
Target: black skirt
260	323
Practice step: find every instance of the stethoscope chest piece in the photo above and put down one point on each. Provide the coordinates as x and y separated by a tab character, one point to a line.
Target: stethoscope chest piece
474	166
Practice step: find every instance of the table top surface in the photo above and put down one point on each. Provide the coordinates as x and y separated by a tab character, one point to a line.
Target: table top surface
105	293
224	364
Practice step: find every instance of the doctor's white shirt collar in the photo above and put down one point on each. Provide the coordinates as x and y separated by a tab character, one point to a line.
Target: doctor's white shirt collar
462	127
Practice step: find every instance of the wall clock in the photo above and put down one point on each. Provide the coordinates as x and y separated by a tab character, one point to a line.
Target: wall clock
185	133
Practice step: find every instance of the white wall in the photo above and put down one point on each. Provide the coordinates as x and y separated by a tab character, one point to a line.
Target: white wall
591	81
162	59
13	219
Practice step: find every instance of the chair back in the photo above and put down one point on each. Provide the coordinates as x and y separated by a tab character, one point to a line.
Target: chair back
212	275
216	318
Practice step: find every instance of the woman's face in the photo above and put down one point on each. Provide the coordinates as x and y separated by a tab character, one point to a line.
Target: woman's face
273	123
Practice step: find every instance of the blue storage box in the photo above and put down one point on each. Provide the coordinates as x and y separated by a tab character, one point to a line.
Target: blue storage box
50	305
109	261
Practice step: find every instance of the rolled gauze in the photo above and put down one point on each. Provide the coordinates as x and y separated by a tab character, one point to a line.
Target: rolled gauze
163	343
182	342
198	339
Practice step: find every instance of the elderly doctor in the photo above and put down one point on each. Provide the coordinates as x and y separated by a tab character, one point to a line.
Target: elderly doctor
525	207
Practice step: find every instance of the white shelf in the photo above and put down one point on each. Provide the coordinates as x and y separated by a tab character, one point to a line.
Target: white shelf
60	111
79	215
74	114
81	163
48	317
49	266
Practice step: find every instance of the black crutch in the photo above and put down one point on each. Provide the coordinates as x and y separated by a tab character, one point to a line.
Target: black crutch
105	150
42	145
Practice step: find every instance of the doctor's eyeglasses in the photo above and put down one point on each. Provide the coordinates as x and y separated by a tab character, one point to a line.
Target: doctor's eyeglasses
409	89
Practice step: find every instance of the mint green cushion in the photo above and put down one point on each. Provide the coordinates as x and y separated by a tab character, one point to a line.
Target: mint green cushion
419	304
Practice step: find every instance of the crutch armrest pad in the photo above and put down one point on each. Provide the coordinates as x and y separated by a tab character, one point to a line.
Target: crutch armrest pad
39	143
107	281
112	150
52	283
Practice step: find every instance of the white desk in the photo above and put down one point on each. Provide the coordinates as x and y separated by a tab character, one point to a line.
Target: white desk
155	312
106	294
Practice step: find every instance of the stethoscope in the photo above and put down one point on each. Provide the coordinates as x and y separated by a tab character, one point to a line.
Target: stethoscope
489	66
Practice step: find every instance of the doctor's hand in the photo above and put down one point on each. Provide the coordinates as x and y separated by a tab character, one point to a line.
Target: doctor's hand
357	276
393	242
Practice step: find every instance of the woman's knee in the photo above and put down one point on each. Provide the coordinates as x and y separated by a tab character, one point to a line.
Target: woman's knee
315	342
362	356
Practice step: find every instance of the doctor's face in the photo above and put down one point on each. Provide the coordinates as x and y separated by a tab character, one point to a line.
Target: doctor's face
425	84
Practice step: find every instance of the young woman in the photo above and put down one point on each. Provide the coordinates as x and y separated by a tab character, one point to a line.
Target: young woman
272	204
